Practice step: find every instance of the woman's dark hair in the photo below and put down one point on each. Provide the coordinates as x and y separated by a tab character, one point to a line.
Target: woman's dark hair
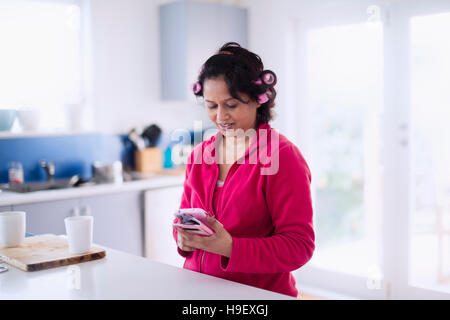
240	69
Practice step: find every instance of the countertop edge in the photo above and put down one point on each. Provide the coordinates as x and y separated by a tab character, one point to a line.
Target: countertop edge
170	283
11	198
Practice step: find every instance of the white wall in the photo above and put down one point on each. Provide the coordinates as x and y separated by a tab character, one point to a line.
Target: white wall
126	76
265	23
126	63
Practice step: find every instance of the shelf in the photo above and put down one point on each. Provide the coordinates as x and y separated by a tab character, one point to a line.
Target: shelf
39	134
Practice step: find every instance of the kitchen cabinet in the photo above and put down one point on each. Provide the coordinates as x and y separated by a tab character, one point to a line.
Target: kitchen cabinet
190	32
5	208
47	216
118	220
160	204
118	214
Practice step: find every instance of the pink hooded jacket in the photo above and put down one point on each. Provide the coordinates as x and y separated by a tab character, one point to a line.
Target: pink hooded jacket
265	205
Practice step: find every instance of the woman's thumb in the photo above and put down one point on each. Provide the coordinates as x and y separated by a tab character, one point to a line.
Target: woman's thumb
214	223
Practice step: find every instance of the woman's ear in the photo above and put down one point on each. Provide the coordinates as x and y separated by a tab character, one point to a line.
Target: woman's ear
256	102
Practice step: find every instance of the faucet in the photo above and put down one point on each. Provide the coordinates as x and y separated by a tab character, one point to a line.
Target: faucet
49	168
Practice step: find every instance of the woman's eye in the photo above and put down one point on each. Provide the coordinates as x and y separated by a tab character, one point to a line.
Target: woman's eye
215	106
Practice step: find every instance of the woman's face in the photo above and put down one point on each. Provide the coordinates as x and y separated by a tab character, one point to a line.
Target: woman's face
226	112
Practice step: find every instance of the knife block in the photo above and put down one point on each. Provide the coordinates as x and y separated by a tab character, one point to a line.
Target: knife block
148	160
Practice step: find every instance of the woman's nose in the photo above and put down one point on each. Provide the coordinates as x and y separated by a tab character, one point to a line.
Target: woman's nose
222	113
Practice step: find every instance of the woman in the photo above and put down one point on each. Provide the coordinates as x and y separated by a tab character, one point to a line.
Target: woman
253	181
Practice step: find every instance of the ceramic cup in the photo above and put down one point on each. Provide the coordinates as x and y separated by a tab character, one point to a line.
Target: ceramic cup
29	119
12	228
79	231
7	117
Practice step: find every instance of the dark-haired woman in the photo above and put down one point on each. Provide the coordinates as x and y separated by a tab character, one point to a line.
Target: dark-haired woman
253	182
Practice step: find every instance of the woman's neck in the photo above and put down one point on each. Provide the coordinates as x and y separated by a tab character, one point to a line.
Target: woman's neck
239	138
234	147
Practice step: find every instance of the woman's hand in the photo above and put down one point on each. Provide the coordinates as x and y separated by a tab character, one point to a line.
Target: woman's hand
220	242
181	242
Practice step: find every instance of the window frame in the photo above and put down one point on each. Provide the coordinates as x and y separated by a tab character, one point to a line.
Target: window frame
396	153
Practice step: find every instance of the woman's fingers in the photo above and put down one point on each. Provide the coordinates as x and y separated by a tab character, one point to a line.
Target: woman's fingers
184	247
183	240
190	240
220	242
214	223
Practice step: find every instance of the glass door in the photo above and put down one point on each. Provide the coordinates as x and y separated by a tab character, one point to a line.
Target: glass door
374	82
343	84
415	235
345	94
429	174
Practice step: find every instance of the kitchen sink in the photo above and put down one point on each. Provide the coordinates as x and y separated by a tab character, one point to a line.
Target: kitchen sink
38	186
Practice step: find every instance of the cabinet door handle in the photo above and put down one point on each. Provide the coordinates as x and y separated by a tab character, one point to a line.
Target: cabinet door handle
75	211
87	210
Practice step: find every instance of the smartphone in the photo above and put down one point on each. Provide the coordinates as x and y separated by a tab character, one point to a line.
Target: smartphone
193	220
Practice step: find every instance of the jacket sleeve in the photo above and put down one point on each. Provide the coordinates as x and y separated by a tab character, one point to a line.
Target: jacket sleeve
291	245
185	203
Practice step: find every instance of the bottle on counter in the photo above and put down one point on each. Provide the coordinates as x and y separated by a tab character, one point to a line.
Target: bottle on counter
15	172
167	163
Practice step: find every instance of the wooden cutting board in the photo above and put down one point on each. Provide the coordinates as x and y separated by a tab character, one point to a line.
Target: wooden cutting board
44	252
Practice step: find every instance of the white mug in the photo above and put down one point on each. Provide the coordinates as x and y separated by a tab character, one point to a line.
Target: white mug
12	228
79	231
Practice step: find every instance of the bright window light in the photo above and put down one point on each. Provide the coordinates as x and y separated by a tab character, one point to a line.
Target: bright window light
430	175
40	58
344	80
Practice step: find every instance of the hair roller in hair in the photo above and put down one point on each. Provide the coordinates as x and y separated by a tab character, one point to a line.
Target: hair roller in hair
196	87
268	78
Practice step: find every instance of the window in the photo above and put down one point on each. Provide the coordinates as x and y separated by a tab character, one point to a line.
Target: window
345	96
41	58
430	172
373	81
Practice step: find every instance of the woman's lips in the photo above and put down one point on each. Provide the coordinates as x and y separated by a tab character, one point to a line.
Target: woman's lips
226	126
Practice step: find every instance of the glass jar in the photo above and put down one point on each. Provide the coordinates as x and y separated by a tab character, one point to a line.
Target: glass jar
15	172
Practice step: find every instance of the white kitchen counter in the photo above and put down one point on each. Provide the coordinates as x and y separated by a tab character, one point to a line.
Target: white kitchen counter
8	198
124	276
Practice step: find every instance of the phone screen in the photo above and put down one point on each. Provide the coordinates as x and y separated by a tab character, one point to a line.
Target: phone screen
186	219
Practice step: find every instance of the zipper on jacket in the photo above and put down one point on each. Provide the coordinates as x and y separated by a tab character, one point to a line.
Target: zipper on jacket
211	191
220	203
211	198
210	209
201	260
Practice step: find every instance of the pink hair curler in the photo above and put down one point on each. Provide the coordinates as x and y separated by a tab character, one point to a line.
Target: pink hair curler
196	87
268	78
263	98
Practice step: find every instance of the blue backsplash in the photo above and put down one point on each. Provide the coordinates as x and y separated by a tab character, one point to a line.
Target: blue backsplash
72	154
